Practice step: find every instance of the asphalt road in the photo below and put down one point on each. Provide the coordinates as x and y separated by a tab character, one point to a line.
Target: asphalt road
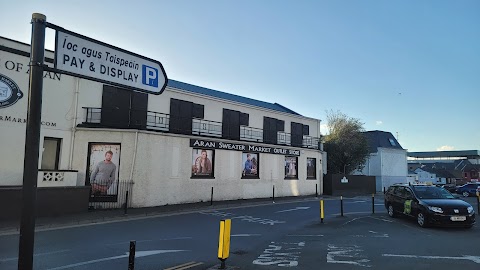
270	236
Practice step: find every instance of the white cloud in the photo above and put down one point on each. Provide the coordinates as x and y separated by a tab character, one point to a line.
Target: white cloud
446	148
378	122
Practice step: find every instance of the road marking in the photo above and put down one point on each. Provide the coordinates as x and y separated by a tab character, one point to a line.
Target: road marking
280	255
475	259
356	202
349	252
37	254
184	266
151	240
242	218
244	235
294	209
306	235
138	254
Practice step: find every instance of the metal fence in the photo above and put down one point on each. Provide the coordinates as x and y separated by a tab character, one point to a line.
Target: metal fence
111	196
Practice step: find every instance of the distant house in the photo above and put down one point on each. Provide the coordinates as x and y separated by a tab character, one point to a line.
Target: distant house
453	171
435	176
387	160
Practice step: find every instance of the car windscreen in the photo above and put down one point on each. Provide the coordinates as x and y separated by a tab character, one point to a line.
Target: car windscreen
432	193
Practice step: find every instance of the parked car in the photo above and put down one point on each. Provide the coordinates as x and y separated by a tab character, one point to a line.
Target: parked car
469	189
430	205
450	187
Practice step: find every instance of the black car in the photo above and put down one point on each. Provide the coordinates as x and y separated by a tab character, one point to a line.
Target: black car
430	205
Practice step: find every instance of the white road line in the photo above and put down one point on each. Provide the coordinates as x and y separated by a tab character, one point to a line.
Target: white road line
306	235
475	259
294	209
138	254
150	240
37	254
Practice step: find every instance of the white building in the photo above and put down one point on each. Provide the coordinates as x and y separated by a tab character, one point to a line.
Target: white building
387	160
156	140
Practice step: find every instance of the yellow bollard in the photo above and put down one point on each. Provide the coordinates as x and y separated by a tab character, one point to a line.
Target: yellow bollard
322	215
224	241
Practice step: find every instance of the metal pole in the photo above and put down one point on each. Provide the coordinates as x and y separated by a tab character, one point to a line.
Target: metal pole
273	196
126	203
32	142
316	190
478	204
373	203
341	205
131	256
211	198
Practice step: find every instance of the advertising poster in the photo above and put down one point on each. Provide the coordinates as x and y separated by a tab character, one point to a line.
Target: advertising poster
103	171
291	168
202	163
250	165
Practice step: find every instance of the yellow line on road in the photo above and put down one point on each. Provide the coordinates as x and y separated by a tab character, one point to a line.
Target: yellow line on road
184	266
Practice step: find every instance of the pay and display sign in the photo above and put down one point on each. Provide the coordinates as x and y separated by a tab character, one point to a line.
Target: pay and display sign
87	58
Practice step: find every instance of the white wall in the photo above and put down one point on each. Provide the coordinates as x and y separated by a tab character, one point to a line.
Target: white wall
162	166
162	170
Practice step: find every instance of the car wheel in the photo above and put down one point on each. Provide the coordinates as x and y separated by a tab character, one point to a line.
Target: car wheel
465	194
391	212
421	220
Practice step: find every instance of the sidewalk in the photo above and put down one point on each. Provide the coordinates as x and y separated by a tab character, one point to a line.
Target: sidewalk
116	215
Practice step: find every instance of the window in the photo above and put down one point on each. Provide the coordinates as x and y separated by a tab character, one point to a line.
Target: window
311	168
51	153
392	142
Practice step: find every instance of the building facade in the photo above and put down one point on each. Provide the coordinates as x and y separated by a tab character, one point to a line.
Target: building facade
174	148
387	160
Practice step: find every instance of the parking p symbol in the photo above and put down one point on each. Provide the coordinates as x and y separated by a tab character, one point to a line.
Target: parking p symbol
149	76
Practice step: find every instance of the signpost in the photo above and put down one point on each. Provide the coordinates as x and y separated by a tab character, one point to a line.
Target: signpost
83	57
91	59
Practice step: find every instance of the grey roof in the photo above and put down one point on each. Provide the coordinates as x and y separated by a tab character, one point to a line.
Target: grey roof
377	138
218	94
439	172
470	154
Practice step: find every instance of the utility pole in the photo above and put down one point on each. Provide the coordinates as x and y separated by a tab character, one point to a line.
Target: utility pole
32	142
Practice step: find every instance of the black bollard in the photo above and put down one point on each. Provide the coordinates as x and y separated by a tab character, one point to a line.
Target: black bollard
131	256
316	190
273	195
211	198
373	203
341	205
478	205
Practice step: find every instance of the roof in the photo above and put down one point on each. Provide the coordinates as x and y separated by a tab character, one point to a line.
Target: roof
470	154
383	139
438	172
222	95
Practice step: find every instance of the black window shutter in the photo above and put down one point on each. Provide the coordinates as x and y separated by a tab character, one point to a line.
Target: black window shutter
269	130
306	130
115	107
244	119
198	111
280	125
138	112
180	116
296	134
231	124
226	123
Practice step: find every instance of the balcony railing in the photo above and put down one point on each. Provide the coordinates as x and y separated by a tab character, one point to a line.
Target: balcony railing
206	128
161	122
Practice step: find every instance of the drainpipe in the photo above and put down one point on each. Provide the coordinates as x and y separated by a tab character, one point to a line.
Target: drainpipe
134	155
74	125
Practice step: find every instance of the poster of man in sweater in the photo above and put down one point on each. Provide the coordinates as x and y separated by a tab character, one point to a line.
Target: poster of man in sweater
103	171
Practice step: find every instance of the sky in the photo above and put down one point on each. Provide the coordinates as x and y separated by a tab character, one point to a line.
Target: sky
408	67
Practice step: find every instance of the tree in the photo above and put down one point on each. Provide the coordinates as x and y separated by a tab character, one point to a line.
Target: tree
346	144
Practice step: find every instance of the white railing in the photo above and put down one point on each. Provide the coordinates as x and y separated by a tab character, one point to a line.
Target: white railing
50	178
